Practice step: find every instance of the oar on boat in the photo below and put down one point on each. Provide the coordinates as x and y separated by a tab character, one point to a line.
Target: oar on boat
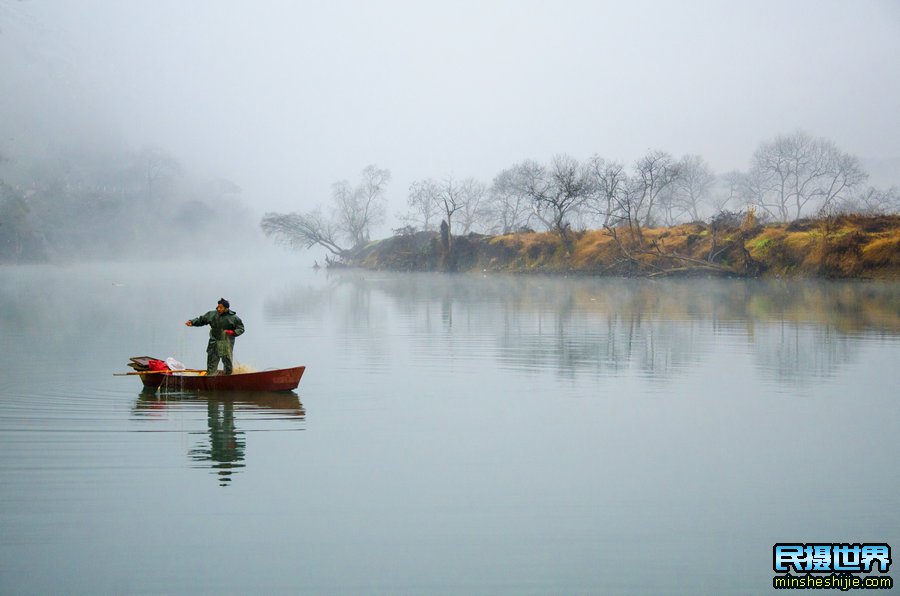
158	372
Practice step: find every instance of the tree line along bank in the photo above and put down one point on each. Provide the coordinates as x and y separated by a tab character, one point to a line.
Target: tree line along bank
639	212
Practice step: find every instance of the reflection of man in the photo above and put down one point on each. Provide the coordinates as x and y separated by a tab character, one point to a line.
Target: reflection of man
226	444
224	326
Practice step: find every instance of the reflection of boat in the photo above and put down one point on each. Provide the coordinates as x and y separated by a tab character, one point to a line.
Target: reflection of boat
282	379
224	451
286	402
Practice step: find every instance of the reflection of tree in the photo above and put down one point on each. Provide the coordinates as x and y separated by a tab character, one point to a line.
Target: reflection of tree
359	317
226	444
794	353
609	326
351	294
571	326
604	345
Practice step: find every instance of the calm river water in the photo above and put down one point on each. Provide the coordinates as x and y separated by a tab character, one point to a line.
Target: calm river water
453	434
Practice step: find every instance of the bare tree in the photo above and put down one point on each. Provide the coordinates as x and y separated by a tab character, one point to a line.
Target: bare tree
450	197
571	186
691	187
729	191
532	182
359	208
452	200
753	188
354	210
447	196
669	210
345	210
608	200
555	192
873	201
653	173
303	230
472	212
508	206
797	173
841	175
423	207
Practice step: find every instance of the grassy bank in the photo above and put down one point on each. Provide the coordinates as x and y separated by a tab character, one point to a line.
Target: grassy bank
839	247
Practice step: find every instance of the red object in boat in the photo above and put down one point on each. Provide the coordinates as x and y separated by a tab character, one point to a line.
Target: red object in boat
282	379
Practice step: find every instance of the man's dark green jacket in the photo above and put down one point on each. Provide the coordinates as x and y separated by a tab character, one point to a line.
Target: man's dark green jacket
218	324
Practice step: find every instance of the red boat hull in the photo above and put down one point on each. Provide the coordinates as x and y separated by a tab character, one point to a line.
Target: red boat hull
283	379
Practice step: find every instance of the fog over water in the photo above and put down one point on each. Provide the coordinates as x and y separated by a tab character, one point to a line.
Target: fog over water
285	98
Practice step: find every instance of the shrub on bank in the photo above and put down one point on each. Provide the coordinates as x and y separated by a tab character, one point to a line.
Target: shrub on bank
846	247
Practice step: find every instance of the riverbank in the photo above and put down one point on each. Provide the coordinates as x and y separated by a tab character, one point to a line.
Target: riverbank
866	247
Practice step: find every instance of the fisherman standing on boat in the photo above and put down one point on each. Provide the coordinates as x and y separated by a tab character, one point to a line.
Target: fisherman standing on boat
224	326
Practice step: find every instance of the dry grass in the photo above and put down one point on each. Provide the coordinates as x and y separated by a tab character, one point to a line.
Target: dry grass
883	252
843	247
594	248
847	246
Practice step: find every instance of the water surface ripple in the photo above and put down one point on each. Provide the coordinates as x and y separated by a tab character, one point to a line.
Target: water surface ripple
453	433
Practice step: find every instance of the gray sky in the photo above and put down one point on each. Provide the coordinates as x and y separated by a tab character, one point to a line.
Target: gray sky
285	98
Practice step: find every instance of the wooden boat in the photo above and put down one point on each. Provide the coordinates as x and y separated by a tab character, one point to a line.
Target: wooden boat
282	379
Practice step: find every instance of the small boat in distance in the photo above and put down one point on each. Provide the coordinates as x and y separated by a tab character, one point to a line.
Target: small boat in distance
281	379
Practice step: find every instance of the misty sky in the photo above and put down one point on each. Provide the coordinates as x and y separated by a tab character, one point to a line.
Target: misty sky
284	98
